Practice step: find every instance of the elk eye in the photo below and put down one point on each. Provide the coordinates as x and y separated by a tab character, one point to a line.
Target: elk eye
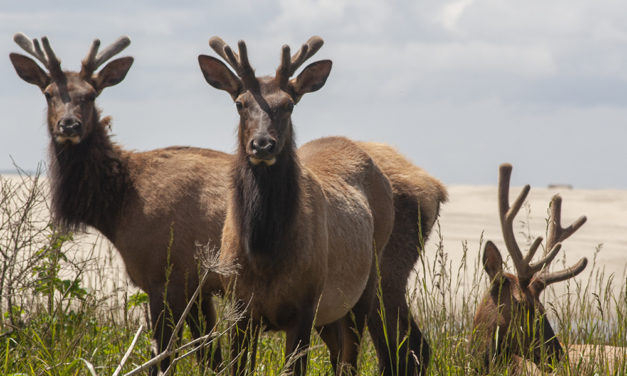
239	105
48	96
289	106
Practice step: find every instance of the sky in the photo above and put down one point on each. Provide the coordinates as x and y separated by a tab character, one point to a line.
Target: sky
457	86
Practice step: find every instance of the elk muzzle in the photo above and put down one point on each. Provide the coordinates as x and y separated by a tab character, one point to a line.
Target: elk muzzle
69	129
262	148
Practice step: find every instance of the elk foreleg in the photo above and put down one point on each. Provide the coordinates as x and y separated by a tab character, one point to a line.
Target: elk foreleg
163	319
297	342
331	334
202	321
244	337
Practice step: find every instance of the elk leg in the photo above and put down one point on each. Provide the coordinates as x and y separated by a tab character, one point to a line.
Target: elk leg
388	328
331	334
244	335
163	320
353	325
297	341
202	321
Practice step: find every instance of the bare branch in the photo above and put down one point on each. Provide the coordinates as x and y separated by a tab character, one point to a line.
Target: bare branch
128	352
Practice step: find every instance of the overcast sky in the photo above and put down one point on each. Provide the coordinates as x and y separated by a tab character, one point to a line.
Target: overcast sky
458	86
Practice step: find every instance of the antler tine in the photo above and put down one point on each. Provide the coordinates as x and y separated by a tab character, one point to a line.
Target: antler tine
247	69
221	48
306	51
88	63
46	56
239	63
93	51
95	59
289	66
548	278
556	235
283	71
53	61
30	46
507	215
113	49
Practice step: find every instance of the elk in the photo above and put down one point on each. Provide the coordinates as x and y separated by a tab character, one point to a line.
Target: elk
417	198
305	227
153	206
510	322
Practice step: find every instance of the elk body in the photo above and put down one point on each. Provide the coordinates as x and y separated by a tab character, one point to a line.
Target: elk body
510	322
306	227
417	198
153	206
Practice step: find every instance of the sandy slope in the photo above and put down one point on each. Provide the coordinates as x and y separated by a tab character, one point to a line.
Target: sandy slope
472	210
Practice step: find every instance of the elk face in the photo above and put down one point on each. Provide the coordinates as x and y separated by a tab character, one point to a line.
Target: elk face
513	316
71	108
71	96
264	104
265	122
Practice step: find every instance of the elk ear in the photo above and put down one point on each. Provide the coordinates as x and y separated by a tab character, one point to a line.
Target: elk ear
29	71
492	260
312	78
218	75
113	73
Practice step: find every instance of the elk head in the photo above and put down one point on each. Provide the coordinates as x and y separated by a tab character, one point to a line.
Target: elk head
511	320
264	104
72	112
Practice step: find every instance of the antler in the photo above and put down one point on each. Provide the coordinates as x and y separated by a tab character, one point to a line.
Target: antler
289	64
558	234
239	63
93	60
524	267
46	56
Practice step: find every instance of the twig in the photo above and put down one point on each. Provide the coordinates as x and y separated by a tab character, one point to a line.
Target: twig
128	352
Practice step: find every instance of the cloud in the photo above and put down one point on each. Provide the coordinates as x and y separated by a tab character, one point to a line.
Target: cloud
440	65
451	13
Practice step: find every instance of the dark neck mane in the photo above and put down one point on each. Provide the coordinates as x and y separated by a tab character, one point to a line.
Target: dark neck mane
88	182
265	200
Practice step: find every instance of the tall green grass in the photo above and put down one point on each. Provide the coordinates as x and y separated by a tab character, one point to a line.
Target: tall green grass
64	312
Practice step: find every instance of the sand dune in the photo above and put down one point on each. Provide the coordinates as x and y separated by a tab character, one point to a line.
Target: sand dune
472	210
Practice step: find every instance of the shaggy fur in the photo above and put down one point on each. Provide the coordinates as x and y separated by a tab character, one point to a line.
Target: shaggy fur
154	206
268	200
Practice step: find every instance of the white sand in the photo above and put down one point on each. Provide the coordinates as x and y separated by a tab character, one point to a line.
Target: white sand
472	210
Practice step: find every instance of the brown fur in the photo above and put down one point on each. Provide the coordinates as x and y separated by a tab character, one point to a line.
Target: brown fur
510	322
317	262
417	199
153	206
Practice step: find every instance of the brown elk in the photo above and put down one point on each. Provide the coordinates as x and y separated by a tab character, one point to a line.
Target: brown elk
417	198
153	206
306	227
510	322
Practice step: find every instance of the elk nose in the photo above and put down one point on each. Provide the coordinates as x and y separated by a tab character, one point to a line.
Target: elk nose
69	125
262	146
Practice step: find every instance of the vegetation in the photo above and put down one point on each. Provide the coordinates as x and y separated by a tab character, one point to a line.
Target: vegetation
66	308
